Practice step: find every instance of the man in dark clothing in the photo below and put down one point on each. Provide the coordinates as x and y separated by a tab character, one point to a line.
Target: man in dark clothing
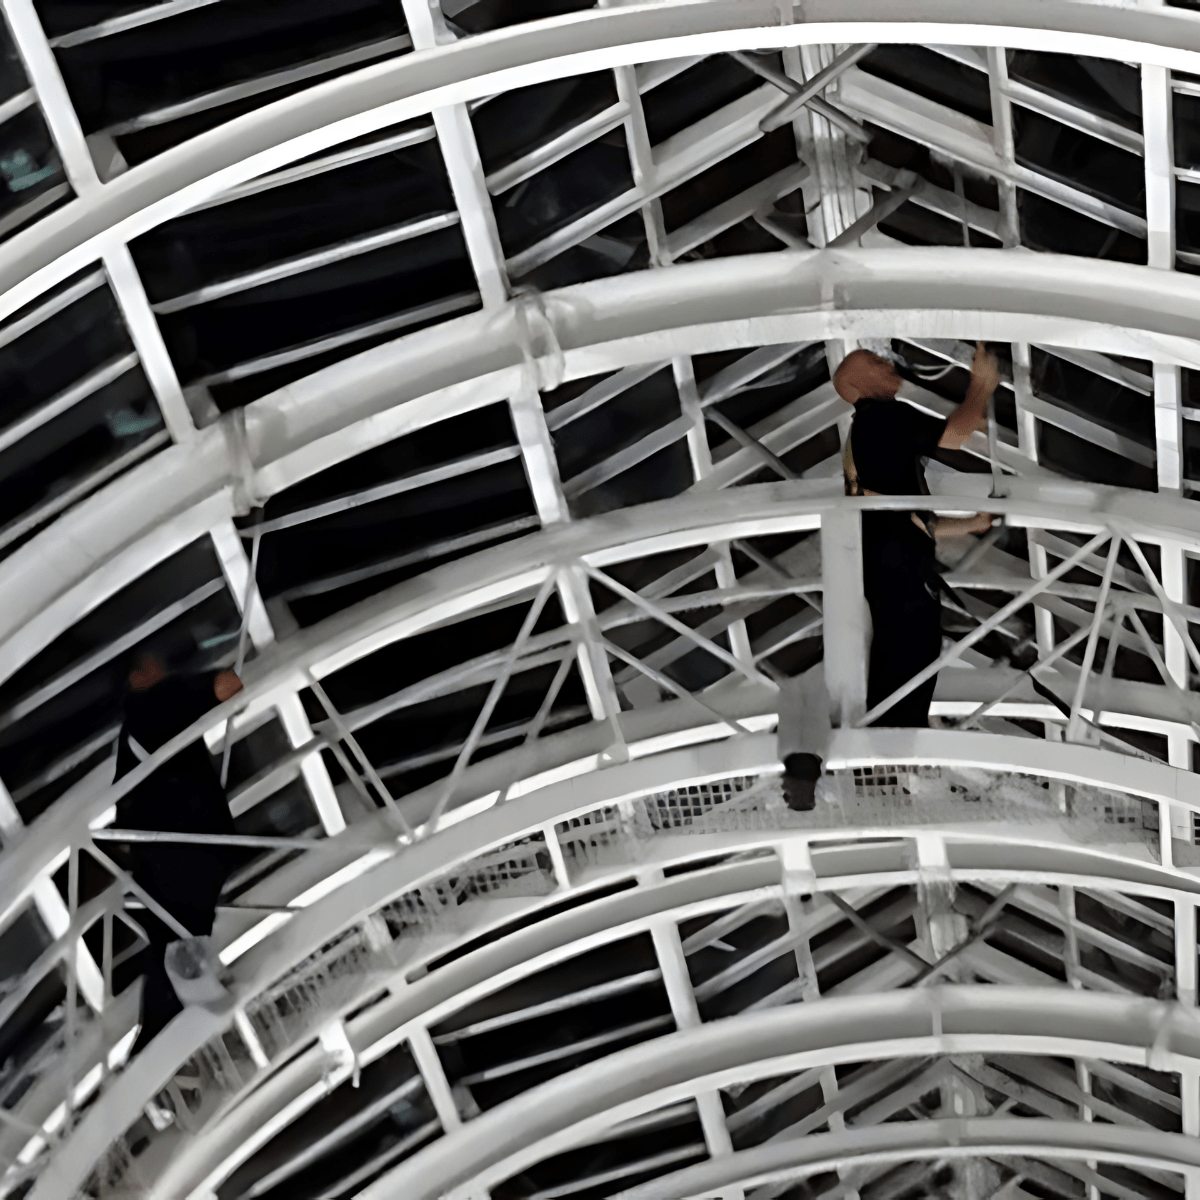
183	796
888	440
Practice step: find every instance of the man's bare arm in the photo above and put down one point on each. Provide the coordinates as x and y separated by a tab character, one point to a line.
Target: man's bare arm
971	414
949	527
225	685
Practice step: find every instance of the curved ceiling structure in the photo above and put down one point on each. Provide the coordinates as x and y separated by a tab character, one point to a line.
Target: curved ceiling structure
463	372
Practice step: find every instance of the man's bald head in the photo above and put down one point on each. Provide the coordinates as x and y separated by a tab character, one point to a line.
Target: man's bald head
863	373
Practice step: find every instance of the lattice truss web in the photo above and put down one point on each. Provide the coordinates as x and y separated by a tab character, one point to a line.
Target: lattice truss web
492	434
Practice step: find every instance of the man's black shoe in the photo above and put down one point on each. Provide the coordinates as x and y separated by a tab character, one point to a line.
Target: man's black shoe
800	775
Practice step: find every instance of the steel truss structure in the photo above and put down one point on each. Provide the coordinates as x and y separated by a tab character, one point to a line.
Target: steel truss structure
462	371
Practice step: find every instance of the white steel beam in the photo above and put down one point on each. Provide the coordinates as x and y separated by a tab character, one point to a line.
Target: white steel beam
43	73
759	1045
379	95
970	141
235	563
53	911
148	341
460	153
524	953
653	316
509	571
47	80
1081	765
467	839
1158	123
682	999
847	620
465	169
937	1140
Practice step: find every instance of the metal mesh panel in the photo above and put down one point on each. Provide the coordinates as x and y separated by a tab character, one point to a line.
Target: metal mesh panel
595	838
297	1003
889	795
715	807
521	868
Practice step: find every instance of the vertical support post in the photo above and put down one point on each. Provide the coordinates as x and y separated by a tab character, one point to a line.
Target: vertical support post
1185	953
1022	357
641	162
847	618
842	201
460	153
832	184
537	453
1158	127
61	119
425	1055
65	129
1022	364
690	406
702	465
1189	1083
1168	426
1185	991
558	860
799	882
1159	142
945	928
42	69
598	683
235	564
682	998
545	485
1002	139
148	341
465	170
1075	724
1175	657
1083	1077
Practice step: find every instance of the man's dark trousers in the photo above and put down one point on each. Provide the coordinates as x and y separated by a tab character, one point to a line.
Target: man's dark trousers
187	882
900	582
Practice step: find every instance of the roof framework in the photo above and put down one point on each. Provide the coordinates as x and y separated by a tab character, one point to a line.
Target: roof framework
466	368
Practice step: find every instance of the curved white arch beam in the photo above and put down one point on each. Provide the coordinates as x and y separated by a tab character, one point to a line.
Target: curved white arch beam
601	326
390	878
1048	760
200	1163
281	948
936	1138
411	85
203	1162
509	570
964	1019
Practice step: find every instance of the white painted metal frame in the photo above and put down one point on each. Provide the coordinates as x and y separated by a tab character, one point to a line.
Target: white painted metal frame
600	326
963	1019
223	469
1138	879
412	85
710	891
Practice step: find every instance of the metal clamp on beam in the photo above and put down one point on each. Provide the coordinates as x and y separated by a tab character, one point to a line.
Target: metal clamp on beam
538	339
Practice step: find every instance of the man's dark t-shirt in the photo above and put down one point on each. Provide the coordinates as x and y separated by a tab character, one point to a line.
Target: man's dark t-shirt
888	439
184	795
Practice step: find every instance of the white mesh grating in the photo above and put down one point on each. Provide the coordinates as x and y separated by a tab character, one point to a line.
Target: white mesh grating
521	868
715	807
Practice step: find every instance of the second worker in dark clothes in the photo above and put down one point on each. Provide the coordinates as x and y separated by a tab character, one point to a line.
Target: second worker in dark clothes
183	796
888	440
